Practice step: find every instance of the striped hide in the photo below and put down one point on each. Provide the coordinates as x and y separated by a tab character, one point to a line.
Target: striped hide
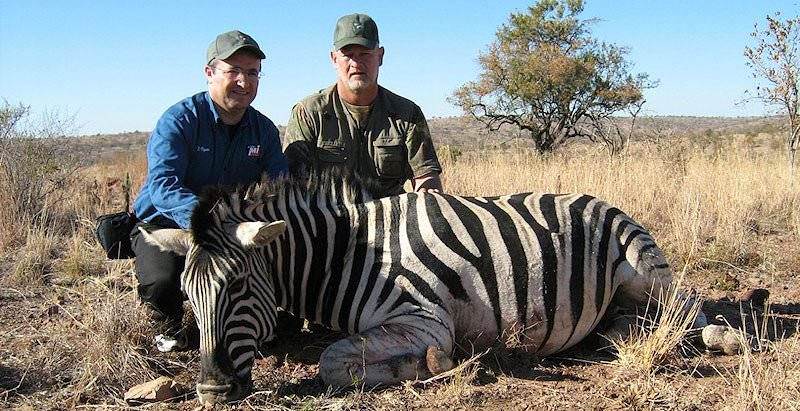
408	276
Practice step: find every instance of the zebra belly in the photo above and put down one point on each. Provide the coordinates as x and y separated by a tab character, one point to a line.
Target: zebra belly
476	322
475	325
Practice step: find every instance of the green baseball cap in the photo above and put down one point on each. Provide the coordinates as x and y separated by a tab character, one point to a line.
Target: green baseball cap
355	29
230	42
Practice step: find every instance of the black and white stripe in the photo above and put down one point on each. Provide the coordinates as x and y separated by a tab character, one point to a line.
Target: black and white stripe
426	269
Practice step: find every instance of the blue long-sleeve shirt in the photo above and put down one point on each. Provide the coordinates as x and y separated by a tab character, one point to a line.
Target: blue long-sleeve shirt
191	148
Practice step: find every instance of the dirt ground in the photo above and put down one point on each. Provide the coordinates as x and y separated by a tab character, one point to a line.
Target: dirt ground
42	330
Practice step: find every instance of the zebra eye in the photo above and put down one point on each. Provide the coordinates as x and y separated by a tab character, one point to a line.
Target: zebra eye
236	284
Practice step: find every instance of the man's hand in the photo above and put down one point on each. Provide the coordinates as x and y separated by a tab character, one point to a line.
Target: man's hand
428	184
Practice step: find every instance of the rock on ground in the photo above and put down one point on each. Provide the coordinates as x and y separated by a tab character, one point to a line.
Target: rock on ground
160	389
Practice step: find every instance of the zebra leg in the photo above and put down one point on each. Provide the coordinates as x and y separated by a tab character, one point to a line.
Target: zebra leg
646	283
388	354
635	305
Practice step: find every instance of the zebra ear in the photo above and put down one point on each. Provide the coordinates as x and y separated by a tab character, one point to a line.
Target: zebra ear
259	233
169	239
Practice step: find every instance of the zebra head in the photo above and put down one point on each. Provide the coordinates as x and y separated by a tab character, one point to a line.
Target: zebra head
227	283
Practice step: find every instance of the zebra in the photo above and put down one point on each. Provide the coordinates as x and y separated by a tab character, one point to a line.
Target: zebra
408	277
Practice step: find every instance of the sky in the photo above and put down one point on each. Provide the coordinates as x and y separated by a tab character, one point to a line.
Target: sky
116	66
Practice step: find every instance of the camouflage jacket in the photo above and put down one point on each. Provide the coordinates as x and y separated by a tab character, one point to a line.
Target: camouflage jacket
393	146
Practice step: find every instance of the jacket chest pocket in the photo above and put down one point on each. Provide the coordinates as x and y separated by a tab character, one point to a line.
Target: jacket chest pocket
329	154
390	157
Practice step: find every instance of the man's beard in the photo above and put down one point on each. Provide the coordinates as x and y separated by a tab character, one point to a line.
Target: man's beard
358	85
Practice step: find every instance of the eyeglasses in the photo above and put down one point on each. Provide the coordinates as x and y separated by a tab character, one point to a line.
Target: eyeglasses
234	73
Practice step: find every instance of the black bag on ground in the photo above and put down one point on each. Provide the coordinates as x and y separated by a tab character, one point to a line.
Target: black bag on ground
113	232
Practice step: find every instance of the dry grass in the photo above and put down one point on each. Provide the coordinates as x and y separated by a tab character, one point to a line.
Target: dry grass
117	337
768	380
649	350
31	263
97	335
767	376
454	388
81	259
639	392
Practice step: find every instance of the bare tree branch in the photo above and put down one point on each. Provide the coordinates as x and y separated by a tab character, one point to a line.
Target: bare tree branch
775	60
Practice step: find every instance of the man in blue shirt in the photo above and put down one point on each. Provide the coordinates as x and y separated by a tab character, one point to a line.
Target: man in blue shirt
210	138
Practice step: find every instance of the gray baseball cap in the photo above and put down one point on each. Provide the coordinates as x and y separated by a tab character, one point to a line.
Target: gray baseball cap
230	42
355	29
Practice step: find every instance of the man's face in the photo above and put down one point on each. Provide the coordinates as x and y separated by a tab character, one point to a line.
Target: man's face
233	82
357	66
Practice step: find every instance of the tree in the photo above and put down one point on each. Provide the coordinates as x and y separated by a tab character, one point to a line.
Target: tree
547	75
775	59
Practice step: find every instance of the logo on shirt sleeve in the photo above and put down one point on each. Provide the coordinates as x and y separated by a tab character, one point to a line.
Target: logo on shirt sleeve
254	151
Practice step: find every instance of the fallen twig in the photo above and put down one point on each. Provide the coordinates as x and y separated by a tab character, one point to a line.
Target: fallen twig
454	370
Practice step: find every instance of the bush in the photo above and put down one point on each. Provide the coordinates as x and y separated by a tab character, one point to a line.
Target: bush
32	262
34	170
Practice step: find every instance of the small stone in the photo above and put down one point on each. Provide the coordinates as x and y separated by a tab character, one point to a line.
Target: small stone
160	389
168	343
755	296
724	338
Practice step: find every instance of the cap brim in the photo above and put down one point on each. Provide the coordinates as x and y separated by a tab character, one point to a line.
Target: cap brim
370	44
254	49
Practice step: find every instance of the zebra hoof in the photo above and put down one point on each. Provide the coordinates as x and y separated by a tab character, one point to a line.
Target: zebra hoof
437	361
165	343
212	394
725	339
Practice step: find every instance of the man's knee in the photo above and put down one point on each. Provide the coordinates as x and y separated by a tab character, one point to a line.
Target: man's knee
156	289
158	273
163	296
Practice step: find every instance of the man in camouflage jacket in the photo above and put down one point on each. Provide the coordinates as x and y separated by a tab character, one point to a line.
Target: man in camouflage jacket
359	125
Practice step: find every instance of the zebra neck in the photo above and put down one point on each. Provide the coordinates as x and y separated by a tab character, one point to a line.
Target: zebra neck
312	256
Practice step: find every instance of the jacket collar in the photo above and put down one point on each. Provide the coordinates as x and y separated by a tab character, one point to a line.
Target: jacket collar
382	101
218	120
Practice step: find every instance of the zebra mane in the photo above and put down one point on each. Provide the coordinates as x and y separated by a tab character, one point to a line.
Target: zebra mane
216	202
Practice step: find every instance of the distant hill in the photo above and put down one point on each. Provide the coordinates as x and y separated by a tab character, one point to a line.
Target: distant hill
468	133
109	146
